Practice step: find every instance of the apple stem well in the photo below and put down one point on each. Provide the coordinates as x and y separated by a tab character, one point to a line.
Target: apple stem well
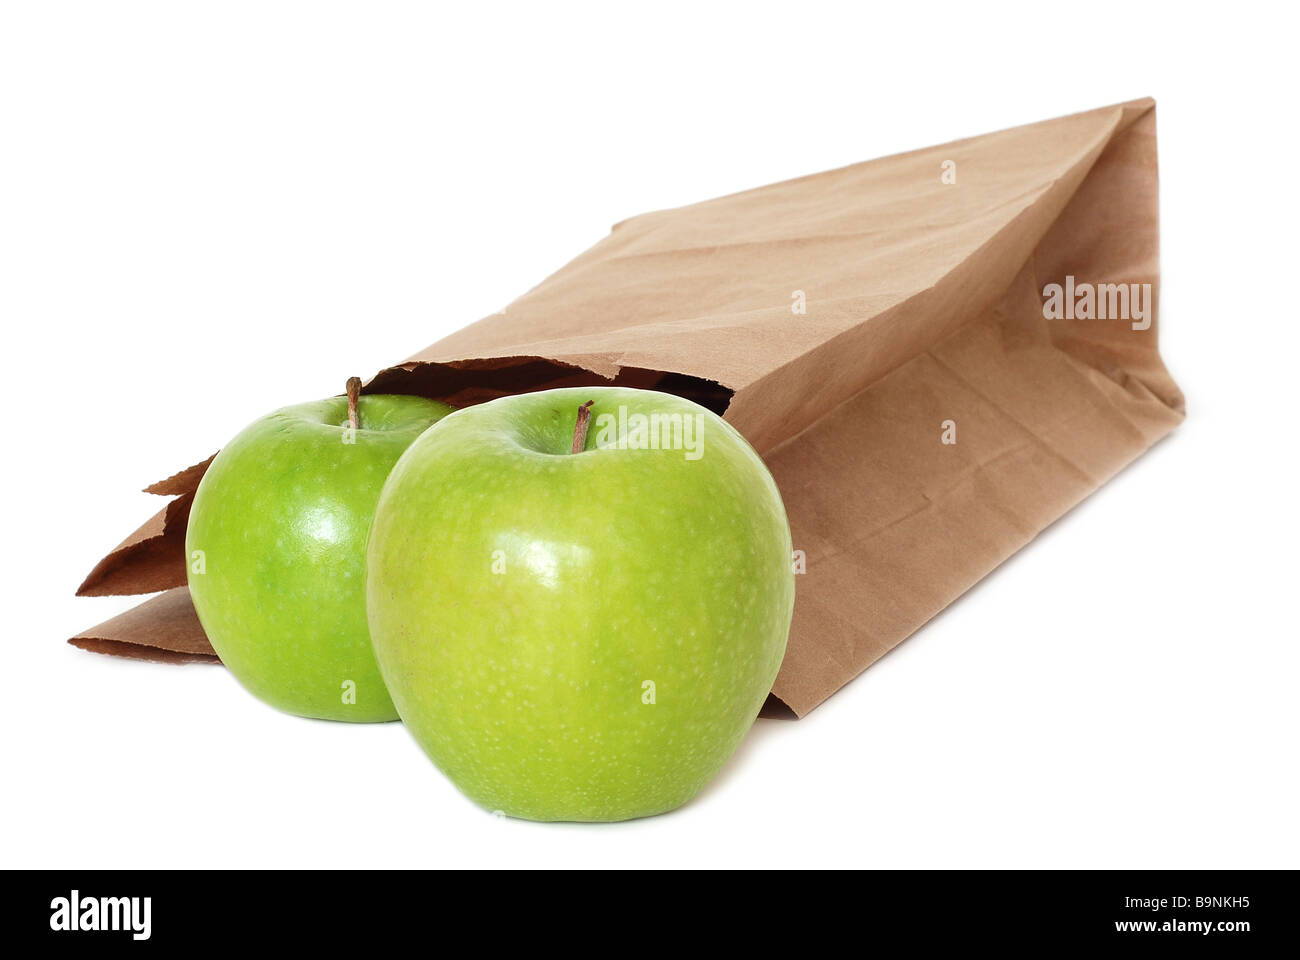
580	428
354	394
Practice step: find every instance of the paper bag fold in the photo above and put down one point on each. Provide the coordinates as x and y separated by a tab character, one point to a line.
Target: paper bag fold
879	334
164	629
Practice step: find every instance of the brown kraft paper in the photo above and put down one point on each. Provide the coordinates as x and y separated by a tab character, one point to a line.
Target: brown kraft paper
852	325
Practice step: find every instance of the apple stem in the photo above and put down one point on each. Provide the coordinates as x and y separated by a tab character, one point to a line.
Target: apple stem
580	428
354	394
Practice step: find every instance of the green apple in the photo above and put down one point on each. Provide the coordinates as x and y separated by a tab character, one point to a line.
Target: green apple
276	548
580	636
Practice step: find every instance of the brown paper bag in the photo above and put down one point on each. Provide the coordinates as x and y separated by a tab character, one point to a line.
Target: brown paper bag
886	335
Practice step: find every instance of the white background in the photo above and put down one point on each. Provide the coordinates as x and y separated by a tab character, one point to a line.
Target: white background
211	210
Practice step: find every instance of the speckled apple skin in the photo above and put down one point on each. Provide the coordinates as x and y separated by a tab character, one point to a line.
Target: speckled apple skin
281	517
526	687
